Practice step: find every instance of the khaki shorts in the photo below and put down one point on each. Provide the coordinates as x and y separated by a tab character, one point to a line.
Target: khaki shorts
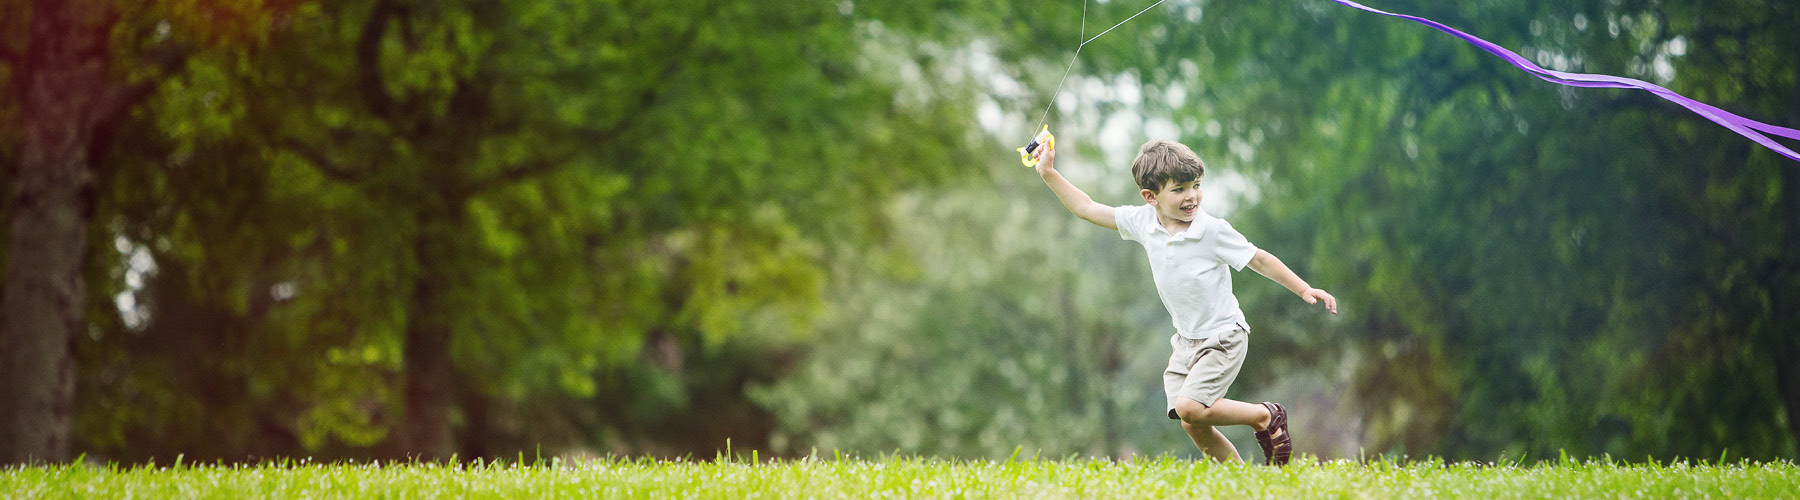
1203	369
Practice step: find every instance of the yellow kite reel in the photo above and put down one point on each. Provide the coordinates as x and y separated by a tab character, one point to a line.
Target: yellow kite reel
1043	139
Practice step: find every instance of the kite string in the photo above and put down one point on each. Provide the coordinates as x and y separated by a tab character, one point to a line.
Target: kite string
1059	84
1077	55
1751	129
1127	20
1746	127
1065	77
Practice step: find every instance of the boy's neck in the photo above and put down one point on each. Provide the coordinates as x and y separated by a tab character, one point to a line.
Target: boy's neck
1172	225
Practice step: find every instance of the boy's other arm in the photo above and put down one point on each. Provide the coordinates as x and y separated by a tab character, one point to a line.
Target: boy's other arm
1270	267
1078	202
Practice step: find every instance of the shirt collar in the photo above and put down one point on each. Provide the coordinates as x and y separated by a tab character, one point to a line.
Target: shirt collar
1195	229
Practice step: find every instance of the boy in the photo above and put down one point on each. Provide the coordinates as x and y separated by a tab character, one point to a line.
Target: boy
1189	252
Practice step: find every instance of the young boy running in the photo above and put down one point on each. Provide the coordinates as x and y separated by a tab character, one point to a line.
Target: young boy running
1189	253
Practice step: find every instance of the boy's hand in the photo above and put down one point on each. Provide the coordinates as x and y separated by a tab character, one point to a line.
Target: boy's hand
1046	157
1314	295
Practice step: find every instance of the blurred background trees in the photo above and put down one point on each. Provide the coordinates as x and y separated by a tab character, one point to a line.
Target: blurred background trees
392	228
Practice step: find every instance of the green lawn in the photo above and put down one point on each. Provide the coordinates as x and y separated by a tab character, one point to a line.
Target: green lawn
907	478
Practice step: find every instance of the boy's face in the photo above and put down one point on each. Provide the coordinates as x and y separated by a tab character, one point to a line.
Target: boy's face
1177	200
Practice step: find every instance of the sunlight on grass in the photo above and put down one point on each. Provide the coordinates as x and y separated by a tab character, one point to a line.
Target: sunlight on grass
900	477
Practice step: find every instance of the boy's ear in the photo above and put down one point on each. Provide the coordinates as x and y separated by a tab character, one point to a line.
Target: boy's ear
1149	196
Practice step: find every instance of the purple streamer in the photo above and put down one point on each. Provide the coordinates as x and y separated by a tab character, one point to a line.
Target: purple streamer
1743	126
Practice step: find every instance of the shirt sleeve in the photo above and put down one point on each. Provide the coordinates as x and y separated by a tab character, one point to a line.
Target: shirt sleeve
1130	220
1232	247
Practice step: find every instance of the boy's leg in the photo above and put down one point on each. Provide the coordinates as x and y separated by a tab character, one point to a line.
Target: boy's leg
1201	370
1224	411
1212	443
1271	429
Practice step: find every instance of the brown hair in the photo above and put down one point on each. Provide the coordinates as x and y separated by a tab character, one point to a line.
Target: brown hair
1163	160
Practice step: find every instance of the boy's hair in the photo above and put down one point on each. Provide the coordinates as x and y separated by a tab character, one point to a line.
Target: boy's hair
1163	160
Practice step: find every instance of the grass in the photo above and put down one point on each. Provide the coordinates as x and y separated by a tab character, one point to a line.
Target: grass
906	478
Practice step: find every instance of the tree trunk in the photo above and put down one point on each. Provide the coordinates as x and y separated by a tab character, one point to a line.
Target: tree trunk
1786	300
427	369
66	93
1787	356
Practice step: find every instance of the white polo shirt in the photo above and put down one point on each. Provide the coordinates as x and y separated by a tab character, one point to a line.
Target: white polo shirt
1190	268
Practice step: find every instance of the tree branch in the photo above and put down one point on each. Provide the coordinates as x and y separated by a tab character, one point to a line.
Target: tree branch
516	173
466	99
368	60
119	98
319	160
167	61
653	92
645	100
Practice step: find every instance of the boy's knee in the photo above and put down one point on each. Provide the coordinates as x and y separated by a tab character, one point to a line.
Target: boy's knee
1192	428
1192	412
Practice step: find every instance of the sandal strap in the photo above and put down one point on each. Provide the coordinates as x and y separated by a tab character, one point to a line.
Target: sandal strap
1276	441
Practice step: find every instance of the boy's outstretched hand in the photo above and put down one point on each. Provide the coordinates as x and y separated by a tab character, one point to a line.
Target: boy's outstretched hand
1314	295
1045	157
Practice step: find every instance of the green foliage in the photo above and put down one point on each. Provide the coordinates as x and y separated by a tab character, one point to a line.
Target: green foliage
1525	268
983	338
647	227
563	187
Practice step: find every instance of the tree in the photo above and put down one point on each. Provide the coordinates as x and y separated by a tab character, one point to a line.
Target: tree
67	90
410	227
55	84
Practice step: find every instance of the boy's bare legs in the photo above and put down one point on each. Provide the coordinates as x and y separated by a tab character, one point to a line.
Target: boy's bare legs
1199	422
1212	442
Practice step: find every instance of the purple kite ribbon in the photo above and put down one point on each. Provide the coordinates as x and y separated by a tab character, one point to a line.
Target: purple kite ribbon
1743	126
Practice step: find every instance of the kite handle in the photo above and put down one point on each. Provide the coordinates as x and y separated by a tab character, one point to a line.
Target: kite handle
1044	139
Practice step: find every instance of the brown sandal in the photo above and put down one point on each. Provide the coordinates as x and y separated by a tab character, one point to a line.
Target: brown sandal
1277	445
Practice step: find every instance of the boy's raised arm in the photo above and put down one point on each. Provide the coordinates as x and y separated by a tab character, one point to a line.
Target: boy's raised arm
1266	264
1078	202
